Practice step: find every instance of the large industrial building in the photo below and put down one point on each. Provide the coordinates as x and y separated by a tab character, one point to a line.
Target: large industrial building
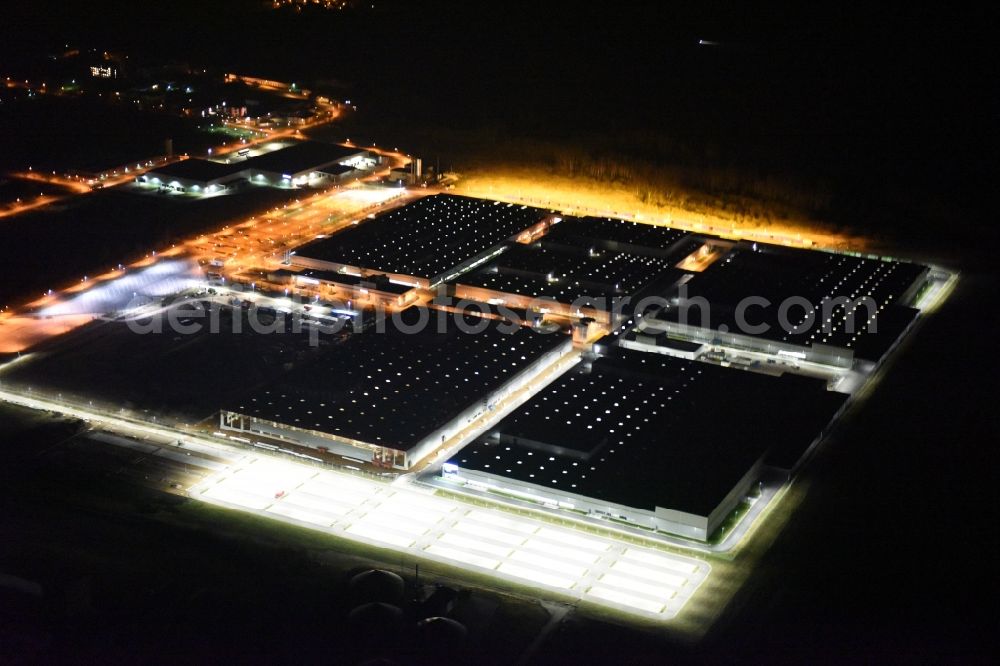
582	267
194	176
306	163
647	439
430	240
839	307
392	397
494	252
667	419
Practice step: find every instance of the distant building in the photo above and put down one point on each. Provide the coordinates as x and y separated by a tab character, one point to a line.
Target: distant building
308	163
195	176
409	174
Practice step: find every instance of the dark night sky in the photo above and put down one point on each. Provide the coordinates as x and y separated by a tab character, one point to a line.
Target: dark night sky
888	107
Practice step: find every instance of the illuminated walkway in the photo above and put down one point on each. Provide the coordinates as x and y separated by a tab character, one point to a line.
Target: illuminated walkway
591	568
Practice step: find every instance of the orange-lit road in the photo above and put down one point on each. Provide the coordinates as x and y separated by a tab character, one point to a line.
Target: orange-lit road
74	183
268	84
327	113
24	206
80	185
261	242
245	249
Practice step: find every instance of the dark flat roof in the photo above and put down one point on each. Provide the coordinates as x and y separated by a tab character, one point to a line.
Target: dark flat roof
645	430
304	156
611	232
778	273
588	261
394	388
427	237
569	274
196	169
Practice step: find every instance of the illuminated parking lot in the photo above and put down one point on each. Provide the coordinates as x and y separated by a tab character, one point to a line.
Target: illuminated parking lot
591	568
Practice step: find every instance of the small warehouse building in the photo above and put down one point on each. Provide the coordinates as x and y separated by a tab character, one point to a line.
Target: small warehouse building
307	163
195	176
